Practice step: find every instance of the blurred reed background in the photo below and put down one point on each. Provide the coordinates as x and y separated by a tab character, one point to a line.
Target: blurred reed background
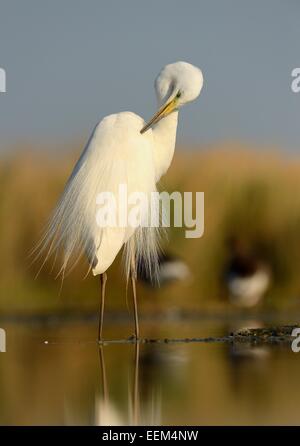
103	58
250	194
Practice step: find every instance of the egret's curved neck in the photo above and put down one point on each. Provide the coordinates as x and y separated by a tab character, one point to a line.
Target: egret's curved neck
164	133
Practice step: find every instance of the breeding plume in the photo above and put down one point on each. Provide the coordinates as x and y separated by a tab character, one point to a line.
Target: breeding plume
122	150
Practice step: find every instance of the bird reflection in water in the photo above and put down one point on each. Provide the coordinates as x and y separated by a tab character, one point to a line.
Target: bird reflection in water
153	365
249	364
106	414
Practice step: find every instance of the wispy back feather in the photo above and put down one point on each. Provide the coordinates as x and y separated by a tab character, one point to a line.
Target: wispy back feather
105	163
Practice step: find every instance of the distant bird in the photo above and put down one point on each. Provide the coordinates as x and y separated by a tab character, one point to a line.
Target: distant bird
171	269
248	277
122	149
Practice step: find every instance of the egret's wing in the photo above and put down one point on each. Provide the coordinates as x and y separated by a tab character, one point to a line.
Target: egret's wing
116	154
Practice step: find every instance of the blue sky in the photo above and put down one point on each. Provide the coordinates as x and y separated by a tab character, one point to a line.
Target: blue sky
71	62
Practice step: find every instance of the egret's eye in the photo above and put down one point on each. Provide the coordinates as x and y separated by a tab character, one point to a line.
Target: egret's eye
178	94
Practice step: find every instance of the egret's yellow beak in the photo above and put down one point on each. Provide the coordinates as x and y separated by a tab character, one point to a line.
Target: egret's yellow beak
164	111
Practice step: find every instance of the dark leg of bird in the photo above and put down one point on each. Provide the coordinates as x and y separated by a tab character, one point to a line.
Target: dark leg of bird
103	279
133	282
103	374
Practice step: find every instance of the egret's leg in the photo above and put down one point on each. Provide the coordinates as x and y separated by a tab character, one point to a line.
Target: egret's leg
103	279
133	282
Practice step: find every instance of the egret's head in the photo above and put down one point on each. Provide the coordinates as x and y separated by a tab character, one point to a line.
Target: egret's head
177	84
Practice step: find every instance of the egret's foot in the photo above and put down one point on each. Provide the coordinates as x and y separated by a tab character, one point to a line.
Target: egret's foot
133	338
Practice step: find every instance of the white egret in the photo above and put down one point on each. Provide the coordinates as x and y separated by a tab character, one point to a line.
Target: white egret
122	149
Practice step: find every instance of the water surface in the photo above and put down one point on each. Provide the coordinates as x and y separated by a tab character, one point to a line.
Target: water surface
69	380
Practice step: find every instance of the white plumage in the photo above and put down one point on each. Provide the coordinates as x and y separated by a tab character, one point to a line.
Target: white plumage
121	150
117	153
248	291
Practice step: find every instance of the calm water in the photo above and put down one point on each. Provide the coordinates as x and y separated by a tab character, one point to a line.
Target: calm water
71	381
